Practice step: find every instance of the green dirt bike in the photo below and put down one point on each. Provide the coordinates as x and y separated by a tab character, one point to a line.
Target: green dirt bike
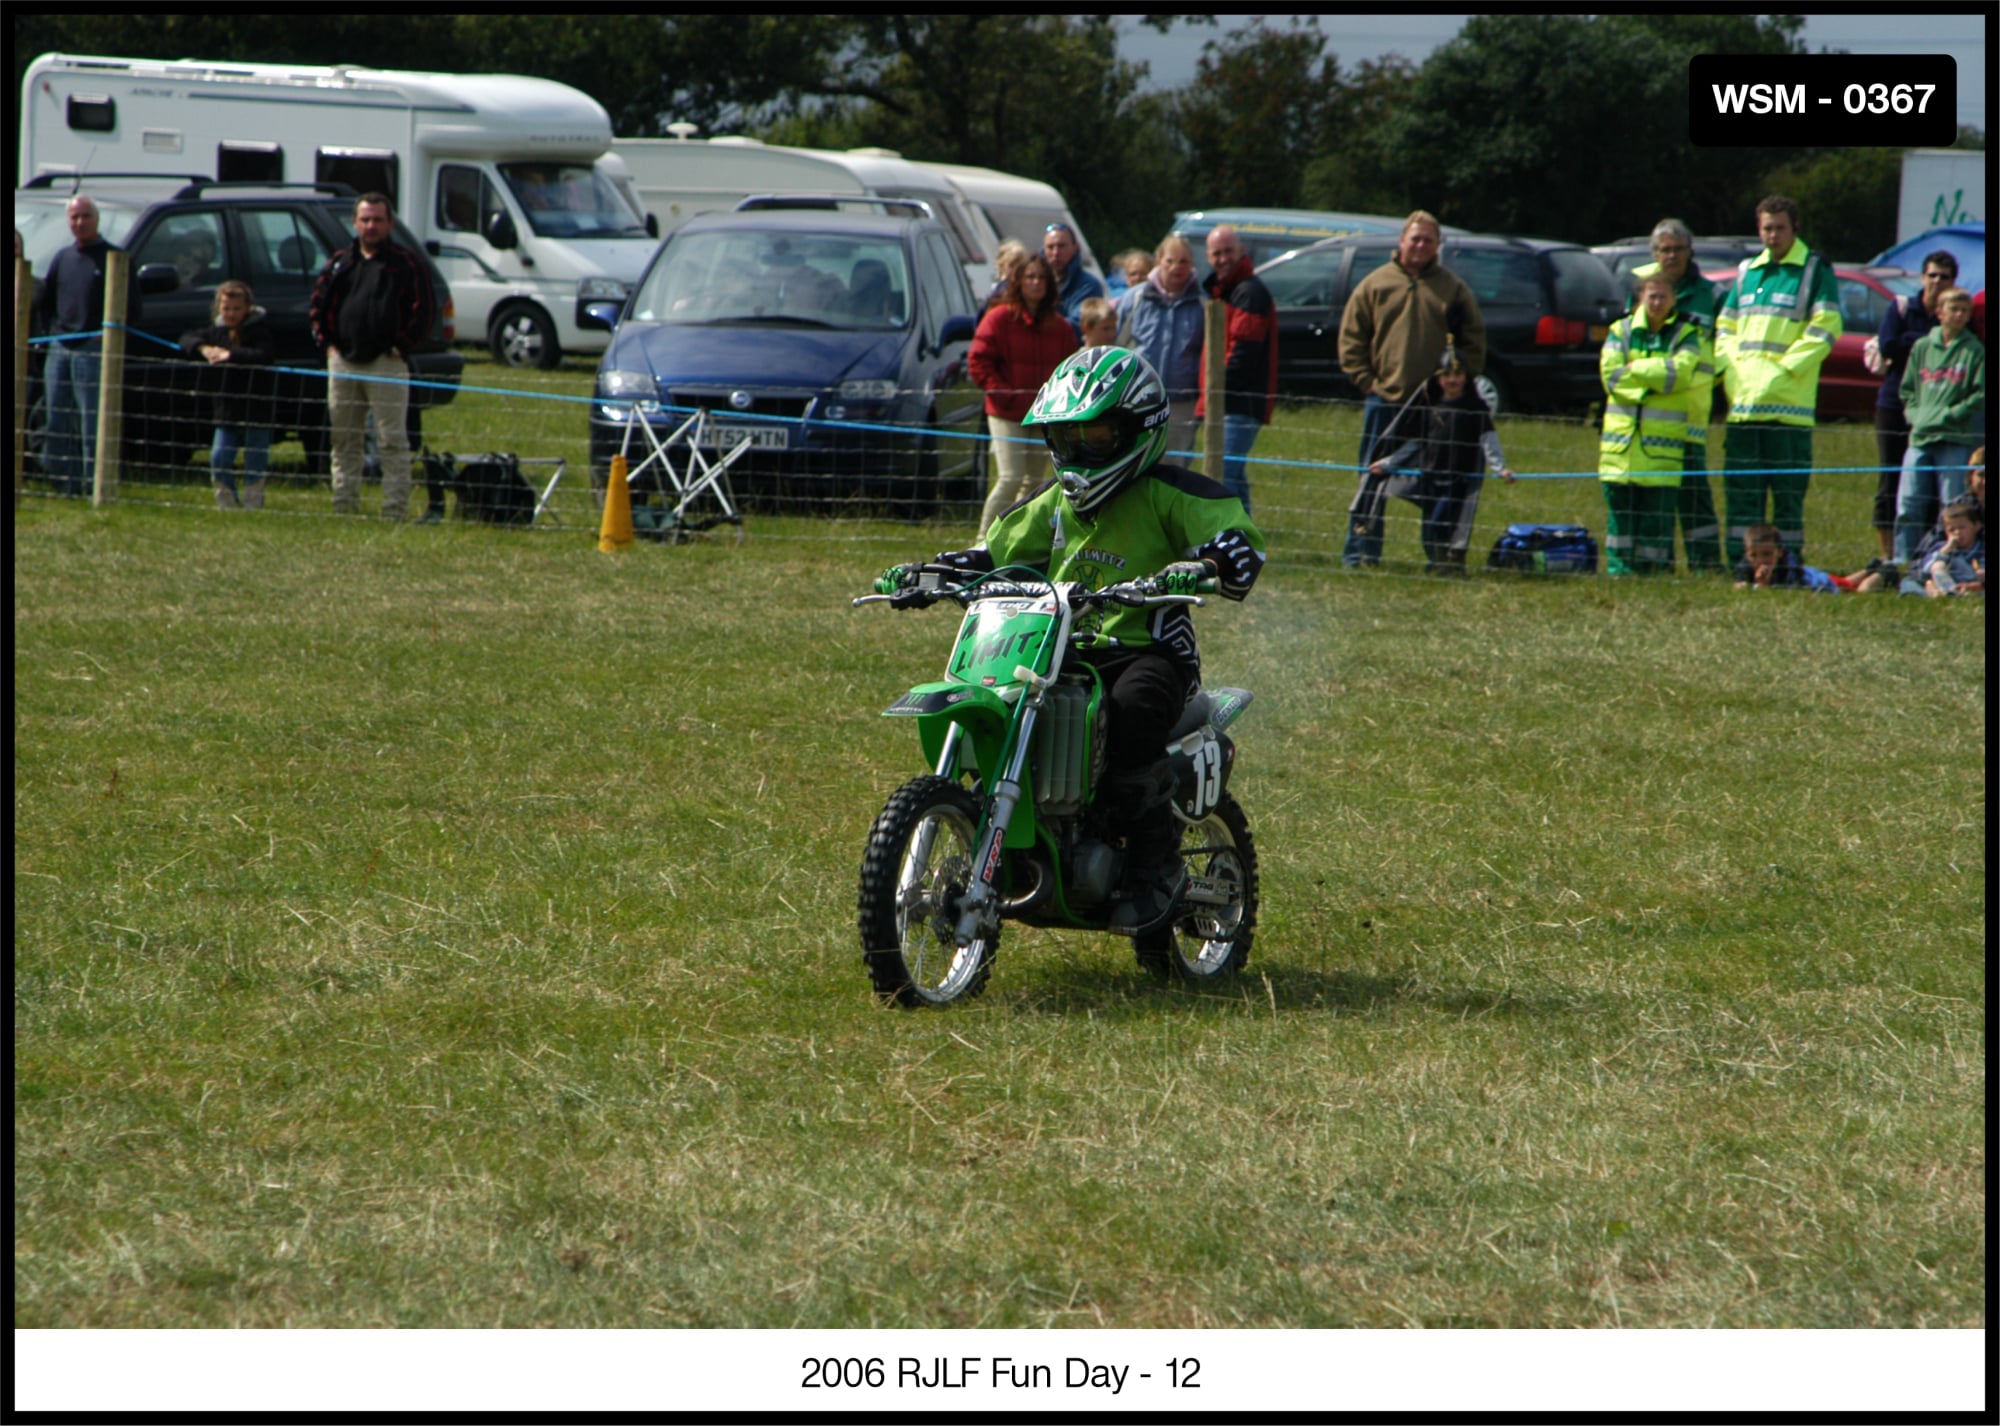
947	862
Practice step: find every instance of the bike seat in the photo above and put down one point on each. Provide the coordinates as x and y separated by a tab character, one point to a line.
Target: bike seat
1192	717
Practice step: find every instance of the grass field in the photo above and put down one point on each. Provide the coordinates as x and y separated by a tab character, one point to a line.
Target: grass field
453	928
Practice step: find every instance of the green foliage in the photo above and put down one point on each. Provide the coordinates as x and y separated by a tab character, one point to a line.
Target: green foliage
1570	126
1847	199
1257	113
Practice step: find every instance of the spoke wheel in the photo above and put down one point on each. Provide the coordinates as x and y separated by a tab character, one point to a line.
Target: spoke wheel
1210	942
913	877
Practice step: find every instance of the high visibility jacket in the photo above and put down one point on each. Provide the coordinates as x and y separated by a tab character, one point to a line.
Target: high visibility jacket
1648	376
1778	326
1694	299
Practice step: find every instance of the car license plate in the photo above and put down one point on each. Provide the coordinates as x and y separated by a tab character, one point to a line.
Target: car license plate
1597	333
759	437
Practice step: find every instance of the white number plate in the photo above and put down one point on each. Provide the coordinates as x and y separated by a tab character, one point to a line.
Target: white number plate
758	437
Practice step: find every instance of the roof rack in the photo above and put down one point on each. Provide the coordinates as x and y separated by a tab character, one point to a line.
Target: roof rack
333	188
77	180
764	202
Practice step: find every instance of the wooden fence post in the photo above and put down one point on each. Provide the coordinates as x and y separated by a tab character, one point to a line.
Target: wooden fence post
111	379
1215	317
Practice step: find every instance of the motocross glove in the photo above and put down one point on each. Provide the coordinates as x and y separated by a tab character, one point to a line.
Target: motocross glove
977	560
1236	562
895	577
1182	576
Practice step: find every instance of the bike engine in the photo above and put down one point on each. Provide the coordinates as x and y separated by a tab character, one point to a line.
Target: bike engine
1093	872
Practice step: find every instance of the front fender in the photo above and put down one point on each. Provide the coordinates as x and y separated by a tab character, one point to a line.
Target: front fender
983	713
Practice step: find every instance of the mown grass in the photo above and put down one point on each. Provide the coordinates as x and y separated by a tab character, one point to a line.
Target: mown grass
447	927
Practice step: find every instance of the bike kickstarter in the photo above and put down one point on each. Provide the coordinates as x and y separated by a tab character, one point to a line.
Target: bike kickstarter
1080	771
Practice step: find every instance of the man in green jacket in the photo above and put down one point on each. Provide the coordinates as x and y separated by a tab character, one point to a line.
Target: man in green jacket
1770	339
1694	300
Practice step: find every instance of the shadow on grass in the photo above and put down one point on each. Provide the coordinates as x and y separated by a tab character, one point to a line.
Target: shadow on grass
1071	988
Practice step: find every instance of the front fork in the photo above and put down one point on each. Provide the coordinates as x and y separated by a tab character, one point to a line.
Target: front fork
979	912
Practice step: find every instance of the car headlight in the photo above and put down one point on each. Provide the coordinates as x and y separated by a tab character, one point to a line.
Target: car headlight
600	289
867	390
627	385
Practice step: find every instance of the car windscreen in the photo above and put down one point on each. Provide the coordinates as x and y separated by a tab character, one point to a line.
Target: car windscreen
43	223
571	200
811	279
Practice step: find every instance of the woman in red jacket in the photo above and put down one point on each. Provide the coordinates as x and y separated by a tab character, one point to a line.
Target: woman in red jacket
1021	340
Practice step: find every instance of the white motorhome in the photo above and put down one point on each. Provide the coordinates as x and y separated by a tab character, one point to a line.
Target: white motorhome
674	179
1015	207
499	174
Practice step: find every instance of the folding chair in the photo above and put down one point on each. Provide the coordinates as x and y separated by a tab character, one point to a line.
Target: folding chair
698	475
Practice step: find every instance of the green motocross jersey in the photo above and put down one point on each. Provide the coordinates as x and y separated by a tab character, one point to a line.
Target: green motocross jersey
1166	515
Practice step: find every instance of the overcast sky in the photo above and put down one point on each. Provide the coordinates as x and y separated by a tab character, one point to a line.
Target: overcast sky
1359	37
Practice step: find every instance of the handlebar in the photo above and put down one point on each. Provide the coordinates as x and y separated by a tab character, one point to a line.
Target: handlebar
939	581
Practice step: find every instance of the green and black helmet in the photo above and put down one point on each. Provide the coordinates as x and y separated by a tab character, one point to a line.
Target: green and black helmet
1104	415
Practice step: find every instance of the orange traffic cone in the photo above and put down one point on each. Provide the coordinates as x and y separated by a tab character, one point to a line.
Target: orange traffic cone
615	533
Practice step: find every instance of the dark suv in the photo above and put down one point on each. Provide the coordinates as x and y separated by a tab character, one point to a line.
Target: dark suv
829	334
1546	306
185	237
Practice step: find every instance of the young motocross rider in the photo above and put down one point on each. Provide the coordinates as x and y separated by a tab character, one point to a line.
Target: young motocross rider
1115	513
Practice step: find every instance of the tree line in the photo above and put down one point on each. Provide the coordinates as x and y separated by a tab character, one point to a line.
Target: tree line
1567	126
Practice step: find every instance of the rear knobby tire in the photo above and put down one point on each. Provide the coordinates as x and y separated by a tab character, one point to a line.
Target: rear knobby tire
913	875
1209	943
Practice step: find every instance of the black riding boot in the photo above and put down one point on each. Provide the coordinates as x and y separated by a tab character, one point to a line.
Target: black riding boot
1141	806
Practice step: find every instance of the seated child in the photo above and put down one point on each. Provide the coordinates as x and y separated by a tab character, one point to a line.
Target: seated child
1956	564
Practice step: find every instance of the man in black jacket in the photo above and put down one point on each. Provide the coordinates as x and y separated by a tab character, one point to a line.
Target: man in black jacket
370	309
1250	356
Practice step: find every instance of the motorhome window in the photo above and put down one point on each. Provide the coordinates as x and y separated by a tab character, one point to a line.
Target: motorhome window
92	113
191	243
945	209
283	251
762	276
1023	225
363	170
249	163
570	200
467	201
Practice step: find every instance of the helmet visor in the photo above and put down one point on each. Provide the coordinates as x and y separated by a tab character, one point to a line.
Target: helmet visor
1090	444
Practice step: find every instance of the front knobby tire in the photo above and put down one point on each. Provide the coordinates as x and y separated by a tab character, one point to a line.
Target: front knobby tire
1210	943
913	875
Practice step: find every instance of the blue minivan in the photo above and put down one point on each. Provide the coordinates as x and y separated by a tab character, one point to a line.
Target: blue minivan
829	334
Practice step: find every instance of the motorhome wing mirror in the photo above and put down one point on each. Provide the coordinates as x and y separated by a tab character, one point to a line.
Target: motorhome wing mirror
500	232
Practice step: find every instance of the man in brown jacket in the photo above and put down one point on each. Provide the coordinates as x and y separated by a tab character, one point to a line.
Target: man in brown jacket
1392	337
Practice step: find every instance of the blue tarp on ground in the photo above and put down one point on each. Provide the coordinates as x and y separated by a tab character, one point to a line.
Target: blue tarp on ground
1964	241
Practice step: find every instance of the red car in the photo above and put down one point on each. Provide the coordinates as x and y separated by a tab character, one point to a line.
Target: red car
1847	389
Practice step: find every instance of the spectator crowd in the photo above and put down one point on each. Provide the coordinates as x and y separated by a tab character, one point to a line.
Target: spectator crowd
1411	339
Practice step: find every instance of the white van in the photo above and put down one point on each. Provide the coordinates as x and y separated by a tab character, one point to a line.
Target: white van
498	174
674	179
1015	207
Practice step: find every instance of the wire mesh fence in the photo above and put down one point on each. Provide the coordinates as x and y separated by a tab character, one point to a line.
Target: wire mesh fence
815	470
